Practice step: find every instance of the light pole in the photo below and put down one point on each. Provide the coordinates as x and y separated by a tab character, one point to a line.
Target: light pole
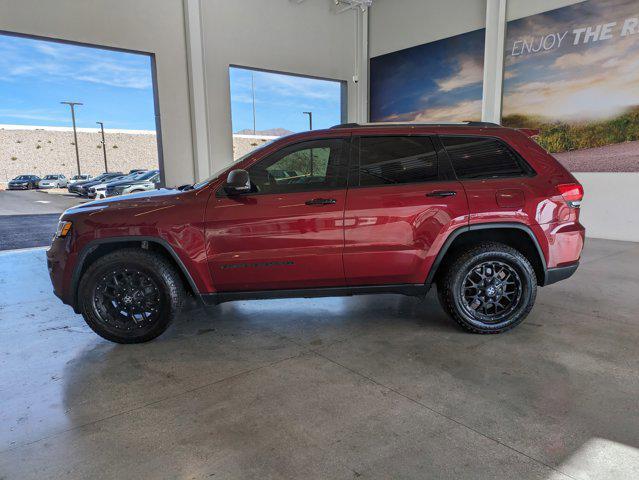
106	169
310	119
253	92
75	135
310	127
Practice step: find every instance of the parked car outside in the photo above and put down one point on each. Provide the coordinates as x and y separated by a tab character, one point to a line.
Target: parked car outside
79	178
99	190
53	181
143	182
24	182
74	187
480	211
82	188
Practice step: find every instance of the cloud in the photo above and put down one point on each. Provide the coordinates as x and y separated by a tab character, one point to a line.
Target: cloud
40	115
470	72
594	83
465	110
49	62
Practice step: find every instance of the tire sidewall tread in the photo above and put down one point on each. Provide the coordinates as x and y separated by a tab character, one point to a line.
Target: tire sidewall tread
170	284
485	251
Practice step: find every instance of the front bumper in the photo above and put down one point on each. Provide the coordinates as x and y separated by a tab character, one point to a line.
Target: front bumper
18	187
57	263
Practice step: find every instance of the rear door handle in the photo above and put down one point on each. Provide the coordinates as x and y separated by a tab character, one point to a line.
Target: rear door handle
442	193
321	201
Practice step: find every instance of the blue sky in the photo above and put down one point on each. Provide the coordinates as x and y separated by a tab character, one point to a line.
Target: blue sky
36	75
437	81
281	99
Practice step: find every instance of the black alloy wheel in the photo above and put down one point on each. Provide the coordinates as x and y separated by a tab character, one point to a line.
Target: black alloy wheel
489	288
127	299
490	291
130	295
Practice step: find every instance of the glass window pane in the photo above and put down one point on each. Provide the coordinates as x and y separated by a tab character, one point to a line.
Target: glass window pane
305	166
481	157
396	160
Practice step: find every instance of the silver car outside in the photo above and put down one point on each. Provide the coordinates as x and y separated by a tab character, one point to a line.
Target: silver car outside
53	181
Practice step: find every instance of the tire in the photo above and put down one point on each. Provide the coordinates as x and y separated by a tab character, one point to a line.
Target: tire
130	295
489	288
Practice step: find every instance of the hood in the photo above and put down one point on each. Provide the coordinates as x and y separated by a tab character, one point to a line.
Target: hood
150	198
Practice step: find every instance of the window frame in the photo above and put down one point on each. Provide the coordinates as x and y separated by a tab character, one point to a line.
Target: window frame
345	155
444	168
529	171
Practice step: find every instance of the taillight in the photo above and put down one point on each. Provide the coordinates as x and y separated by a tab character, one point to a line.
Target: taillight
573	193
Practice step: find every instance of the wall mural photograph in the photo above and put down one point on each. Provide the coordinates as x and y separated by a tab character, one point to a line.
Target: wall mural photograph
435	82
573	73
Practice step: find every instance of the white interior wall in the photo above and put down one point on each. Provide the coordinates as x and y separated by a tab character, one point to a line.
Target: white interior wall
306	38
395	25
144	25
399	24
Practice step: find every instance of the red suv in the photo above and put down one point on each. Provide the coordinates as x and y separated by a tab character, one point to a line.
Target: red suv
480	210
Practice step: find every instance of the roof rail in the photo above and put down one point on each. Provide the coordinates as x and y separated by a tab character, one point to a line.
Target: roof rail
414	124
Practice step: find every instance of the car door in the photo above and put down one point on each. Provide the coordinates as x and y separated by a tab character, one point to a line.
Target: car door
287	233
402	202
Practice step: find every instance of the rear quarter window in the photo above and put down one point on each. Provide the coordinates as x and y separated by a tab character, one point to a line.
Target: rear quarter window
484	157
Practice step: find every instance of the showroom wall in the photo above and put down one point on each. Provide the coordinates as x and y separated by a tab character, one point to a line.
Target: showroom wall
144	25
305	38
399	25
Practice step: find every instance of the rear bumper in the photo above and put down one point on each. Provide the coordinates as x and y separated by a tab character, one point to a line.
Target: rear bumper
557	274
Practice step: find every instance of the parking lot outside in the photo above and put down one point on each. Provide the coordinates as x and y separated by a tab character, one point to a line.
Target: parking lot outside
29	218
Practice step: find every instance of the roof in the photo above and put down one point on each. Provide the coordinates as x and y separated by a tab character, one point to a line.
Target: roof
409	124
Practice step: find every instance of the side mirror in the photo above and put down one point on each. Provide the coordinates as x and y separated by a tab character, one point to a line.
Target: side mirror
237	182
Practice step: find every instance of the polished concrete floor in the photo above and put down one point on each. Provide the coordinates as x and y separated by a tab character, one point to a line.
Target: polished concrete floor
363	387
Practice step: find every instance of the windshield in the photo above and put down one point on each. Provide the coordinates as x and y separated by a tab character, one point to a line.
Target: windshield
146	175
228	167
50	177
22	177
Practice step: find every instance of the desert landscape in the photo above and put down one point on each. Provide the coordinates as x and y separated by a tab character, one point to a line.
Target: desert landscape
50	150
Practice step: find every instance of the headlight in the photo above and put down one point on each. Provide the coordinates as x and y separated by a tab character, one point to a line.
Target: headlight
64	227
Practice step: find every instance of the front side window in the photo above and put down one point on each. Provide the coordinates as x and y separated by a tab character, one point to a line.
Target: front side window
396	160
483	157
305	166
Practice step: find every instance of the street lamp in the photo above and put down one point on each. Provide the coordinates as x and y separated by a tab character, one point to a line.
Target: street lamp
106	169
310	119
75	135
310	127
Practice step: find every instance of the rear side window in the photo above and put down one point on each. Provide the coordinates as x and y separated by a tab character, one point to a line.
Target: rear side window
483	157
396	160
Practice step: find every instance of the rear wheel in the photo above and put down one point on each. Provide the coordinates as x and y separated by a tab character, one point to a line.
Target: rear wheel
130	296
488	289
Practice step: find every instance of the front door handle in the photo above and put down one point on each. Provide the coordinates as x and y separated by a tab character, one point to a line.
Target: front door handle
442	193
321	201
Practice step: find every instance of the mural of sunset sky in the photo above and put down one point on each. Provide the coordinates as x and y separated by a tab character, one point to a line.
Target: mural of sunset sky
435	82
573	73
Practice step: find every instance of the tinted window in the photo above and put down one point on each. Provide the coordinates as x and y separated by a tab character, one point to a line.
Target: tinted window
396	160
306	166
482	157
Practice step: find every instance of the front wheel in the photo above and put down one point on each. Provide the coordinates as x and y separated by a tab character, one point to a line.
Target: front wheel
130	295
490	288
